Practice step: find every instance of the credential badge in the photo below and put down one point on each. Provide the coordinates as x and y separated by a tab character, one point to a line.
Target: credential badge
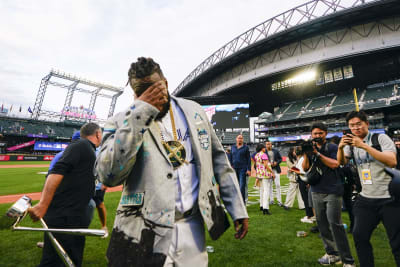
203	138
134	199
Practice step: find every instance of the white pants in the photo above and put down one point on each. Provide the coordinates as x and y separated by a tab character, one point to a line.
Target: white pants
277	182
188	245
247	189
294	190
265	189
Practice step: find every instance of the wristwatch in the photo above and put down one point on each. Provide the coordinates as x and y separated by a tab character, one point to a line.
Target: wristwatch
318	154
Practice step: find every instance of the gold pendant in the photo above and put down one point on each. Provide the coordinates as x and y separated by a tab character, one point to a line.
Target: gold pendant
176	153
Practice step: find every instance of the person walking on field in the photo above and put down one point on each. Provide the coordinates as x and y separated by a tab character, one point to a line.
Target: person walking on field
327	191
371	154
66	194
175	173
241	162
275	159
293	190
265	174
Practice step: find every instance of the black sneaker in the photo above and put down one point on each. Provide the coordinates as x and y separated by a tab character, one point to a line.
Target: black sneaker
286	208
266	211
314	229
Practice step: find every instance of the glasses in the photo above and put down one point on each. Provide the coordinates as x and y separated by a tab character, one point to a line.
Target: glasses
355	125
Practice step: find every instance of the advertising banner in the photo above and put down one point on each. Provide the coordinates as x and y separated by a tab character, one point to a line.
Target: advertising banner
30	143
38	135
53	146
307	137
4	158
26	158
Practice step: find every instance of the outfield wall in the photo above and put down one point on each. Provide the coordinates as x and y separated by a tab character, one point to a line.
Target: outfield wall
26	157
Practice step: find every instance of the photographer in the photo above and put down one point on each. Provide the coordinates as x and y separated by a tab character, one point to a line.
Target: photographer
327	197
374	204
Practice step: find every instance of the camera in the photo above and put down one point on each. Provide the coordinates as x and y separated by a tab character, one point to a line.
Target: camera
346	132
299	151
307	146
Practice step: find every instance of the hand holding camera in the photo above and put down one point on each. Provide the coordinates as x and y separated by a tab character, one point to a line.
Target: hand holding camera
310	147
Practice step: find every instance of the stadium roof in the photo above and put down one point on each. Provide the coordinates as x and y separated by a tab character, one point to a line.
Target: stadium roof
311	18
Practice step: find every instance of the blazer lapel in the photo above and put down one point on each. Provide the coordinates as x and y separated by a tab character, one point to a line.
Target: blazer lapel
191	122
155	133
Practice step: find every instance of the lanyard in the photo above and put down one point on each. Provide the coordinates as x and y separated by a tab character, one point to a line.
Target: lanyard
368	159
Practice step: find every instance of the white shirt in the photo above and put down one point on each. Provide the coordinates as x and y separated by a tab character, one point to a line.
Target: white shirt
299	165
187	186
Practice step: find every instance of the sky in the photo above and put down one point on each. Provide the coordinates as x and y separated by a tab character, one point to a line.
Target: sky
99	39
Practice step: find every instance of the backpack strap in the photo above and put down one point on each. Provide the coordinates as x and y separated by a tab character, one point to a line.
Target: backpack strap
375	142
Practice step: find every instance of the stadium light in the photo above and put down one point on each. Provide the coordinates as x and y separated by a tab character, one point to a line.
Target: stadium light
305	77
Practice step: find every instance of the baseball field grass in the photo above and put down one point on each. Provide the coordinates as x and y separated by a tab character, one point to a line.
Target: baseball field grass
271	240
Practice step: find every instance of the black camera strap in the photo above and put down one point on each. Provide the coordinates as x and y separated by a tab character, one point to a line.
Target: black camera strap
376	145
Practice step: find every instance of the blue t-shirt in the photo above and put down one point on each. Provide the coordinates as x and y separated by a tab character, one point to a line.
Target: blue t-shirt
331	182
55	159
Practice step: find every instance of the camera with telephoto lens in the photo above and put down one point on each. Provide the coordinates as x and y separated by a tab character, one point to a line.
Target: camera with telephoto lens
307	147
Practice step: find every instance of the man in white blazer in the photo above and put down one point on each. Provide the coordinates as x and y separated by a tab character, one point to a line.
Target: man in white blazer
175	173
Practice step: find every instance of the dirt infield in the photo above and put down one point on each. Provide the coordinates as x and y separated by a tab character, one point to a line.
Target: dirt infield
36	196
24	166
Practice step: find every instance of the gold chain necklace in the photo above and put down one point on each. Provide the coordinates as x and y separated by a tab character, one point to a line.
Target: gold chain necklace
175	150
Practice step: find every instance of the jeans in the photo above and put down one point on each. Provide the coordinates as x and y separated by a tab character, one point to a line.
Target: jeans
367	215
241	175
328	210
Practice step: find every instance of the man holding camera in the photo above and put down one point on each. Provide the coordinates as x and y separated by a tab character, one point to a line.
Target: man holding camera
374	204
327	197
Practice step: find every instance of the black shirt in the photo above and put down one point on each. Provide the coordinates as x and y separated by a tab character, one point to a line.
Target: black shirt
331	182
77	187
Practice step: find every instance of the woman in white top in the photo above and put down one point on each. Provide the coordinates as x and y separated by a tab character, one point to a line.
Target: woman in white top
293	184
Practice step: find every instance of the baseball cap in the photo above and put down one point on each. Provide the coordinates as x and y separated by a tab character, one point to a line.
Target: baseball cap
76	135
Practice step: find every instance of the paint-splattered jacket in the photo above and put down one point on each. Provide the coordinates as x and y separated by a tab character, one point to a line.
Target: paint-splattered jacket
132	154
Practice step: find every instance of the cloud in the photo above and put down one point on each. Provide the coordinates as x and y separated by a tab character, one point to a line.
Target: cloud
99	39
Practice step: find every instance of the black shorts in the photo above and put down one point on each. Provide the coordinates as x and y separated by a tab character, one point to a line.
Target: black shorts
99	197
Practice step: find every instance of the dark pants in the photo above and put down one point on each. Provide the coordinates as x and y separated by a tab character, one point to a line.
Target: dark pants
304	195
328	210
241	175
348	203
72	244
367	214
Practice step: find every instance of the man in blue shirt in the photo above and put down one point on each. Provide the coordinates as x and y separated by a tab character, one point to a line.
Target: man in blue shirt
241	162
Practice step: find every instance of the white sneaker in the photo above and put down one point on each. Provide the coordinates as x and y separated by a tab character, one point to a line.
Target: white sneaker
349	265
106	230
313	218
329	259
306	220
